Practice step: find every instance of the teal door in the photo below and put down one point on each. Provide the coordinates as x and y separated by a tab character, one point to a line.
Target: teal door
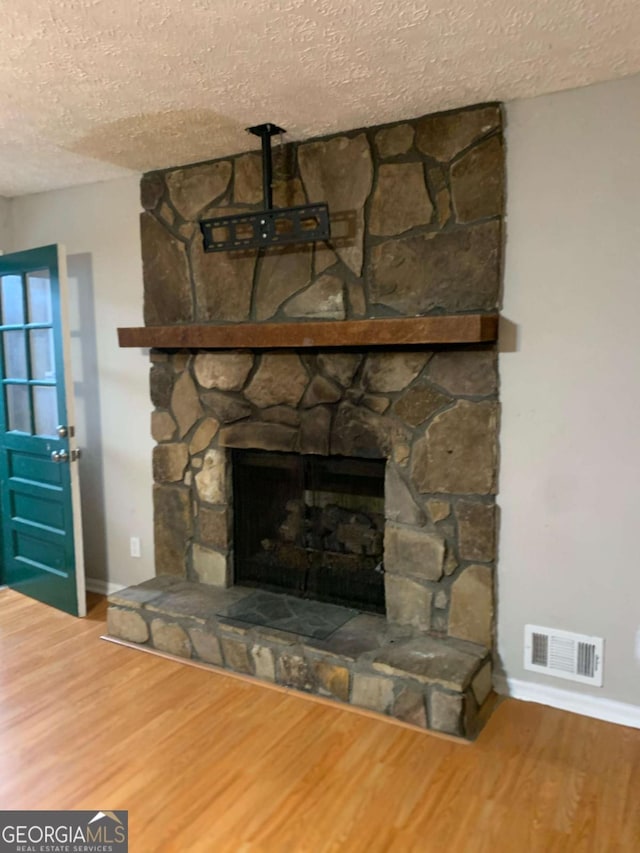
39	491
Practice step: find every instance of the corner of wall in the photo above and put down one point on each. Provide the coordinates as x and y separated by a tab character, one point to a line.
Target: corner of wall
6	224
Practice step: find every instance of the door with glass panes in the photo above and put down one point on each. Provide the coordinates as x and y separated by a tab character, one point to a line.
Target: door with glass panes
39	491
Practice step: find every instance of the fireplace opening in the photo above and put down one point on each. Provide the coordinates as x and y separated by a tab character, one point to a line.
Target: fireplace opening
310	526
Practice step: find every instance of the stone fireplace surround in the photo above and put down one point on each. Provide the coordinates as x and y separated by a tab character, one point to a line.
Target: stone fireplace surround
430	412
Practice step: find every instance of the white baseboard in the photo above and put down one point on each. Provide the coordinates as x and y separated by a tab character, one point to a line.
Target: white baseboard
566	700
102	587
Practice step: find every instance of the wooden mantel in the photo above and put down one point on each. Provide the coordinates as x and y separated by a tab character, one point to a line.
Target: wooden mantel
443	329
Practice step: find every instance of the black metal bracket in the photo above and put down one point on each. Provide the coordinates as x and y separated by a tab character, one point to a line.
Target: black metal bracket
277	227
265	132
271	226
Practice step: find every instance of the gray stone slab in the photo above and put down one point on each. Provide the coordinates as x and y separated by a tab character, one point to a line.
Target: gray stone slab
291	614
431	661
199	602
359	635
142	593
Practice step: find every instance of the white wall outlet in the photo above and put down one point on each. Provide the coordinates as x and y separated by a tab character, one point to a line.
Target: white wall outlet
134	546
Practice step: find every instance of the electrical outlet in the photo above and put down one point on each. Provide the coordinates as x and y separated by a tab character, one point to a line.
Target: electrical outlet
134	546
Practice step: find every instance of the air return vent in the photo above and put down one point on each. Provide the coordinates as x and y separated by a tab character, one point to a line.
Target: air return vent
576	657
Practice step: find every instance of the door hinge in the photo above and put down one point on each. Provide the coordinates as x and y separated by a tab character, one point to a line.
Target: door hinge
76	454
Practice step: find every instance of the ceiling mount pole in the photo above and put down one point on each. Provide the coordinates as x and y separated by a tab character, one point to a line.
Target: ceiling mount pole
303	223
265	132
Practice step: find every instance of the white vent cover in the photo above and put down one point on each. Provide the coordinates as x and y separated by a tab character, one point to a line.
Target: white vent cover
576	657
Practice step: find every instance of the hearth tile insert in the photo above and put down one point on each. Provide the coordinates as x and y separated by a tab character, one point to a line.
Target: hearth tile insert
314	619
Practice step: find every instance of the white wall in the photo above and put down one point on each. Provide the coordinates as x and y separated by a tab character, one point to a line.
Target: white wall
98	224
570	439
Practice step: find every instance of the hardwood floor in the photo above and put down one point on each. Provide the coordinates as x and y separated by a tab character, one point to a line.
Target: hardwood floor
205	762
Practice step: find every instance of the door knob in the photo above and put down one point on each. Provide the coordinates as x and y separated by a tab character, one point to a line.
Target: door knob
59	456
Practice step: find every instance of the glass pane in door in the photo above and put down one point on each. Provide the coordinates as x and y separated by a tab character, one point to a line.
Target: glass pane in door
42	357
39	296
12	300
18	415
45	409
15	355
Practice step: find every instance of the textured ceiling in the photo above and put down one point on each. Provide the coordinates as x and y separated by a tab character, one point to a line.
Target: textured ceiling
92	89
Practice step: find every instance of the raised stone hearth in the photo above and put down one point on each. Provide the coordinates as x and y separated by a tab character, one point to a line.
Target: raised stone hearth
416	218
426	681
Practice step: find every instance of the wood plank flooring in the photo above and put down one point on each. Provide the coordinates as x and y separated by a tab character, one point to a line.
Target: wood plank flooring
205	762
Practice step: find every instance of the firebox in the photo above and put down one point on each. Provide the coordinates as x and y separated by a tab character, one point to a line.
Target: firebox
311	526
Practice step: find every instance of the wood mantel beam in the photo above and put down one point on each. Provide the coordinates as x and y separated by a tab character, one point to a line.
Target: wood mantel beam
443	329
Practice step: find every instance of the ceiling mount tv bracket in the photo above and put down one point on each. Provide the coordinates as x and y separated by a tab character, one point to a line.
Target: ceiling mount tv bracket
271	226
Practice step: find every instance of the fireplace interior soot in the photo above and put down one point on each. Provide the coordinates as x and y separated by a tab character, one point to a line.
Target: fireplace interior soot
311	526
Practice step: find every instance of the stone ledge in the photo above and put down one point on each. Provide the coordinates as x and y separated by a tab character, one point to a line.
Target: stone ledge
426	681
446	662
142	593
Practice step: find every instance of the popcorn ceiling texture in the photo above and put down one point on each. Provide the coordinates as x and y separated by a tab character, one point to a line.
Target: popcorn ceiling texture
94	89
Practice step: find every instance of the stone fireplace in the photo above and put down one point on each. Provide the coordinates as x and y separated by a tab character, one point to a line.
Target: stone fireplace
359	477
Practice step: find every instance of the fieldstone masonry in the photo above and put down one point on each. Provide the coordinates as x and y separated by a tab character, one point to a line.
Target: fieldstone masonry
439	502
416	213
